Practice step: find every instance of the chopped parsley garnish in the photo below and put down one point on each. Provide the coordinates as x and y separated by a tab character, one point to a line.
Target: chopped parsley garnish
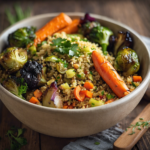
89	54
134	84
58	77
138	125
22	86
64	46
78	75
97	143
79	67
91	72
92	104
16	138
85	40
102	93
93	49
109	96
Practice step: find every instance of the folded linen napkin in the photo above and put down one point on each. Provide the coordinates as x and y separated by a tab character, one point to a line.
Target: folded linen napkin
103	140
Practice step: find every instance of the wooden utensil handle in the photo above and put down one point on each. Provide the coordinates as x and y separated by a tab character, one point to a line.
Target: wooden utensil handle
126	141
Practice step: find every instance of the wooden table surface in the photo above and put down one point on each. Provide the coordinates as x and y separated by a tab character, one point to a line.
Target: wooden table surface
135	14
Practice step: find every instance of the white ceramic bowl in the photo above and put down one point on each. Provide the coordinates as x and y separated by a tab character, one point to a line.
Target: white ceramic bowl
79	122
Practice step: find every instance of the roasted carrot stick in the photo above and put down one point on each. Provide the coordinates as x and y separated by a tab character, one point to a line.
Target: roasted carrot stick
72	28
79	96
57	23
109	75
137	79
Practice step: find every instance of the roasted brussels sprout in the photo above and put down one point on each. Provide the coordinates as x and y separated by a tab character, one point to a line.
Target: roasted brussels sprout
12	59
32	74
22	37
17	86
127	61
123	39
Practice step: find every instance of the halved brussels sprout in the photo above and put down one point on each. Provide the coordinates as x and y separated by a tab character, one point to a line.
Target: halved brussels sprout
52	58
13	58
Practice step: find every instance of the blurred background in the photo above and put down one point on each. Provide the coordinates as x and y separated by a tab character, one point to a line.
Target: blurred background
134	13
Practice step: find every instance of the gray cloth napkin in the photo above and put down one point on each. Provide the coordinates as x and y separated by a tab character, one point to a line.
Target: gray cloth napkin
103	140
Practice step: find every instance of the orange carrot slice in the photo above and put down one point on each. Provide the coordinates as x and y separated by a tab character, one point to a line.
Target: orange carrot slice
37	93
137	78
87	93
79	96
109	75
65	107
109	101
88	85
57	23
76	66
72	28
34	100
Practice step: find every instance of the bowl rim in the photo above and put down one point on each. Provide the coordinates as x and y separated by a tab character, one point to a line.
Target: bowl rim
115	103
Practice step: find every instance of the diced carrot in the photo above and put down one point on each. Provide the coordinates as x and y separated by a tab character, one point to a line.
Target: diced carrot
34	100
109	101
137	78
109	75
79	96
76	66
65	107
73	104
56	24
37	93
70	107
85	72
87	93
88	85
72	28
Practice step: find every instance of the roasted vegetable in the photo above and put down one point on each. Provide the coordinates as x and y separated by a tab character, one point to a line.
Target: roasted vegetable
70	73
123	39
127	61
94	103
17	86
22	37
101	36
61	68
12	59
51	98
32	74
87	18
86	28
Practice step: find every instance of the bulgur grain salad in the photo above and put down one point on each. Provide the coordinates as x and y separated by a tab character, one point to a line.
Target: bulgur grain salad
70	64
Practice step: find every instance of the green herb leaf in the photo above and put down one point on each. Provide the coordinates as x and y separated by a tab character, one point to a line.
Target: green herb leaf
63	46
91	72
97	143
109	96
102	93
134	84
78	75
16	139
141	119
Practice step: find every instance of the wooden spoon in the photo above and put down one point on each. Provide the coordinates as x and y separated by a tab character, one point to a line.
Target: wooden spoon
126	141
